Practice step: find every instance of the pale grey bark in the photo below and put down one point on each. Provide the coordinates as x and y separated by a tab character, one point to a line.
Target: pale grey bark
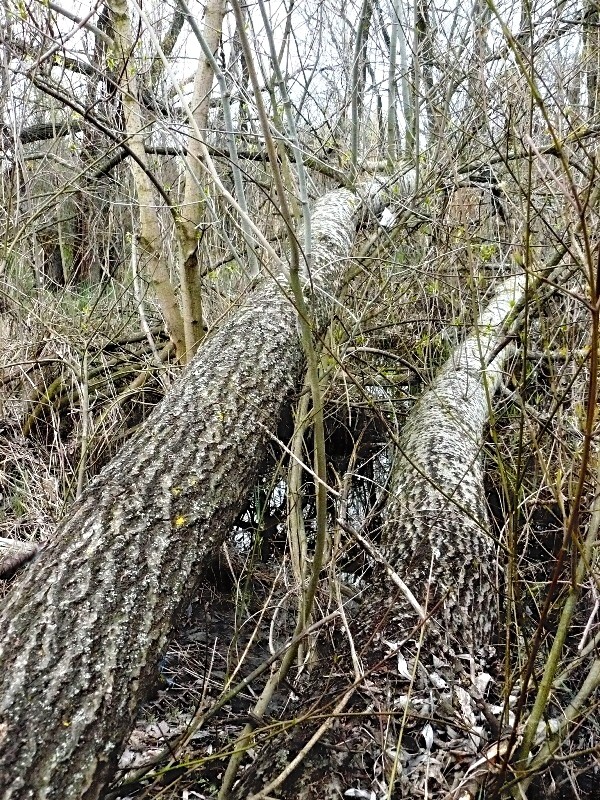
438	542
192	206
151	245
83	631
437	527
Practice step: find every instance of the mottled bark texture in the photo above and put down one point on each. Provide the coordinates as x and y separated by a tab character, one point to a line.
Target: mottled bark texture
84	630
437	531
412	719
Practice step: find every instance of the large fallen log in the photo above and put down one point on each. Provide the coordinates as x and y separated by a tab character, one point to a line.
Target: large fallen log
398	713
83	632
437	531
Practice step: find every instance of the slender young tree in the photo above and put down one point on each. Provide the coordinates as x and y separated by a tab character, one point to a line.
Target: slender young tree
501	129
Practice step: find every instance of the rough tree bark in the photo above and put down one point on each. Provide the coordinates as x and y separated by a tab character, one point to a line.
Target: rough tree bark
83	631
408	719
437	531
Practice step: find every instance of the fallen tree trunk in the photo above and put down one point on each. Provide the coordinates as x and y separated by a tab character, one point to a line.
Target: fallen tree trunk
84	629
437	531
408	722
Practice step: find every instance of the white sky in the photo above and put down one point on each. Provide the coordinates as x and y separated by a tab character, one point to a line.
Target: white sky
321	42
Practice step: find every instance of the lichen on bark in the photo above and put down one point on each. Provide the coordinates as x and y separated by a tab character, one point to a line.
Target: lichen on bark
420	679
83	631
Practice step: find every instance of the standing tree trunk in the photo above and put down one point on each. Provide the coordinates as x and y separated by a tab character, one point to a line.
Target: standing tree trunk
192	207
420	642
151	243
83	631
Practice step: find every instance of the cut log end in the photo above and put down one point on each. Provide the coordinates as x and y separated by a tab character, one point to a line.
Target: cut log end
14	555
